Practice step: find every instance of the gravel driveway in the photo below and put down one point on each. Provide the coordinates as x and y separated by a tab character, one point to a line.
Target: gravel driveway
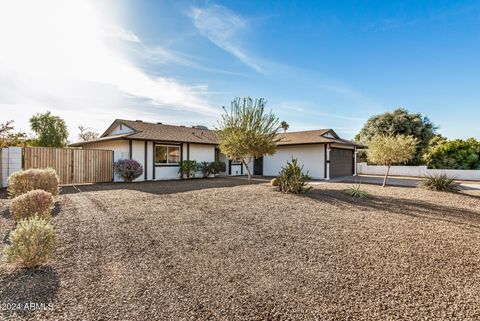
221	250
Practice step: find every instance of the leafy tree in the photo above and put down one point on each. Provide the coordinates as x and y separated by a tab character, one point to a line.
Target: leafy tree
8	137
87	134
247	132
454	154
51	130
389	150
400	122
284	125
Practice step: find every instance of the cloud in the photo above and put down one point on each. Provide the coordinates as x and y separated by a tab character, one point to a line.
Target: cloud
66	56
222	27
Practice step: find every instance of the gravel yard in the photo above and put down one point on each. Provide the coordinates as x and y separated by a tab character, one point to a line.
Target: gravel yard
221	250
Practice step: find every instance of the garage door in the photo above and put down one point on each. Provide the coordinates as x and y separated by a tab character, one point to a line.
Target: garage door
341	162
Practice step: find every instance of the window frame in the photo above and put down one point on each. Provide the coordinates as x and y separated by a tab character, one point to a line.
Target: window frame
167	163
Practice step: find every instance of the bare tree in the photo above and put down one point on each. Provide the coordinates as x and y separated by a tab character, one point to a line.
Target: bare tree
87	134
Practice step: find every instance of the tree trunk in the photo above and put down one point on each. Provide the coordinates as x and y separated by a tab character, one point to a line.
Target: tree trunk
248	171
386	175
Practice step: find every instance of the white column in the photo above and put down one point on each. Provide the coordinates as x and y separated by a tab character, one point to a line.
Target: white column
355	162
328	162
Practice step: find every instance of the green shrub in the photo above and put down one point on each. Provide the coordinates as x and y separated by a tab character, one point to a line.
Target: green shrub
206	169
357	192
28	180
439	182
274	181
36	202
218	167
128	169
188	168
291	178
32	243
454	154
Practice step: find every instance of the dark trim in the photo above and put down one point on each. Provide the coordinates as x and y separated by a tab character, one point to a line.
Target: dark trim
167	165
241	169
130	149
145	160
229	167
113	160
153	161
325	171
188	151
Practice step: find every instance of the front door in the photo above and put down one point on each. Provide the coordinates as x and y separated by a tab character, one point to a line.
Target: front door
258	166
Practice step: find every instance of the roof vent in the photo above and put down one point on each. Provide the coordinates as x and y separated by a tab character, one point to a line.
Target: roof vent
139	120
159	123
200	127
182	125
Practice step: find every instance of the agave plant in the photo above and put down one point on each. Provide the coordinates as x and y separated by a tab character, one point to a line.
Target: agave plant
439	182
357	191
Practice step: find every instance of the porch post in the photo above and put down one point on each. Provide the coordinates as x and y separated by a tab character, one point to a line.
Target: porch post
327	151
355	161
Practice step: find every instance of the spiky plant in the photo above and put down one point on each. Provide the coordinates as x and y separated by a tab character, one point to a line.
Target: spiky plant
356	191
439	182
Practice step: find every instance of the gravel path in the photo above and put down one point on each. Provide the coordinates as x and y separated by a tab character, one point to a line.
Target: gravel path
219	250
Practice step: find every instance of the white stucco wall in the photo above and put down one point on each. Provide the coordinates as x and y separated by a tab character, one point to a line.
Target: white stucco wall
312	158
201	153
138	154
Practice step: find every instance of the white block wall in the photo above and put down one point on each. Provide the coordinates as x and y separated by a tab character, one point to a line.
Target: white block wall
11	162
418	171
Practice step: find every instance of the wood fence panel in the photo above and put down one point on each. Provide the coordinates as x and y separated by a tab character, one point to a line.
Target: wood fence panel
73	166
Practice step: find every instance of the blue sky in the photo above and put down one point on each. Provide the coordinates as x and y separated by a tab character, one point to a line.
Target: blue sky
318	63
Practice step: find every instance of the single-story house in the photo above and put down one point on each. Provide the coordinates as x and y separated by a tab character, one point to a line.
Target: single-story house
159	148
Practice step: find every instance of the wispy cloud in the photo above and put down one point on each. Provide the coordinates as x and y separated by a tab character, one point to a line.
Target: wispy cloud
65	56
223	27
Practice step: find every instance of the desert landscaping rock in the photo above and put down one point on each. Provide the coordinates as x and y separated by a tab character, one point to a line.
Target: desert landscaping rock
220	249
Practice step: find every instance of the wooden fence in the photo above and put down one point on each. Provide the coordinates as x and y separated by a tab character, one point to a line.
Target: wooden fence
74	166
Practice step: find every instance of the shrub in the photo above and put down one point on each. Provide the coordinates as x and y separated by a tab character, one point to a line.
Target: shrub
439	182
206	169
188	168
36	202
128	169
28	180
274	182
32	242
218	167
291	178
454	154
357	192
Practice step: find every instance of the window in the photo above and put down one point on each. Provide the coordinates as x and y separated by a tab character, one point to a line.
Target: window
165	154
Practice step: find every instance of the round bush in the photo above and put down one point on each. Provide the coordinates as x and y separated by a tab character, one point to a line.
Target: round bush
36	202
32	243
128	169
31	179
274	182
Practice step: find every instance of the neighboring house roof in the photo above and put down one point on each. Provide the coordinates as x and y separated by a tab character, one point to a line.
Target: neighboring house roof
319	136
169	133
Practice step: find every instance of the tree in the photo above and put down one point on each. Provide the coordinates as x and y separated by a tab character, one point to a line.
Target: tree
247	132
9	138
284	125
389	150
51	130
400	122
454	154
87	134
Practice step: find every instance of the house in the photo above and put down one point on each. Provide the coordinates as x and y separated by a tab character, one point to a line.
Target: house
159	148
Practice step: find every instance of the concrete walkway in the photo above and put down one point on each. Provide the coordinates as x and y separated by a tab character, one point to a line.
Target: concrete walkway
396	181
